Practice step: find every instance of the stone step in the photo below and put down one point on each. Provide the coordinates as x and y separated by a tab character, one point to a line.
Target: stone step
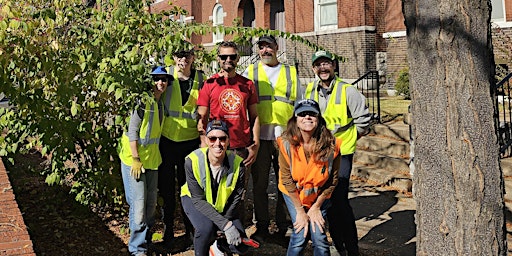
395	130
381	161
506	166
398	180
383	145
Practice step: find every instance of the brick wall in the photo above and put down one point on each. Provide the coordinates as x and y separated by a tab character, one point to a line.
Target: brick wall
358	47
14	237
502	43
396	59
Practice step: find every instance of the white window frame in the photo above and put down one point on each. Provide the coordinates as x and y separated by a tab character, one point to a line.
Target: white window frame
498	5
319	5
218	36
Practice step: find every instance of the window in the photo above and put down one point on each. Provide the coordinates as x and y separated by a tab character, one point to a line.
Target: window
498	10
218	19
326	14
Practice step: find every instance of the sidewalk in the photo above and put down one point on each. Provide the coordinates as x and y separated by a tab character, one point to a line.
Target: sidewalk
14	237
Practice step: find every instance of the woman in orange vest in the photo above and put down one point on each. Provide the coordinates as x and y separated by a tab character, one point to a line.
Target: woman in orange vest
308	173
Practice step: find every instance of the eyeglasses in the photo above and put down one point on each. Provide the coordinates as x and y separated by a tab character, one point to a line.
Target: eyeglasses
320	64
157	78
307	113
213	139
225	56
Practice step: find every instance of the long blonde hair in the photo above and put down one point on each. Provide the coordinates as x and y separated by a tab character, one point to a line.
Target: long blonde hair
323	140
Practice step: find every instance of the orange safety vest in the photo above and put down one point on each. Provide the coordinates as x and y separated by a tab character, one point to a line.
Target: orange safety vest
309	177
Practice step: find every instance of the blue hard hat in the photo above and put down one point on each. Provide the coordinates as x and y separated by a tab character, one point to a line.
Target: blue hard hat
159	70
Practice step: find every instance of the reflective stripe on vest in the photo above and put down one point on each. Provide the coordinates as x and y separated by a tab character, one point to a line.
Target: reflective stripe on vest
180	123
269	97
330	161
336	115
202	174
302	176
275	103
147	143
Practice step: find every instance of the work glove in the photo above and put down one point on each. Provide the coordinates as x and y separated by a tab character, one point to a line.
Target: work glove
232	235
137	168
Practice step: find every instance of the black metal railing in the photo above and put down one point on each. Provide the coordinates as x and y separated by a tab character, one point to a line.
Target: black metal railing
368	85
503	115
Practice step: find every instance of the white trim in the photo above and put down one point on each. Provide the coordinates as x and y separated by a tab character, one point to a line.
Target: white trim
503	24
394	34
337	31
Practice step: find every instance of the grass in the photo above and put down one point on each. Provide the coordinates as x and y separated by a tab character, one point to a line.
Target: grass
393	108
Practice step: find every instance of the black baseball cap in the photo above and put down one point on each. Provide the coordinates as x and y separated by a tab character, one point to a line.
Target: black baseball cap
217	125
267	39
306	105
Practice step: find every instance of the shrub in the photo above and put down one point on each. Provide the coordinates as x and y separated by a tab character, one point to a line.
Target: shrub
402	83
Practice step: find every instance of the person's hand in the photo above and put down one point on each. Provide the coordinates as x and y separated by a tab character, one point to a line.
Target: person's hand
252	154
137	168
316	218
301	221
232	234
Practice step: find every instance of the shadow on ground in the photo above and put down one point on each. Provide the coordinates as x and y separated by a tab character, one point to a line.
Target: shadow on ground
57	224
395	231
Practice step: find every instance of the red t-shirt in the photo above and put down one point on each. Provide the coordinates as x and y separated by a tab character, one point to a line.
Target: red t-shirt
228	99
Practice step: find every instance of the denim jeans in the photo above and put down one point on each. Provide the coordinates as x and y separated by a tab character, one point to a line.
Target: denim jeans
141	196
298	242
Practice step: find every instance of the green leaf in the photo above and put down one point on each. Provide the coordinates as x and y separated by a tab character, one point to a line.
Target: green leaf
74	108
119	93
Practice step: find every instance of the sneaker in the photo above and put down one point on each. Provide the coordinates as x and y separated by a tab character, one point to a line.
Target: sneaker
214	250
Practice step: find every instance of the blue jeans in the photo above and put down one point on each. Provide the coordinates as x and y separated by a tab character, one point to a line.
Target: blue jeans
298	242
141	196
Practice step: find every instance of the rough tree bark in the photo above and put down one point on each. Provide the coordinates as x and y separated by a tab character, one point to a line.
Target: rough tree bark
458	182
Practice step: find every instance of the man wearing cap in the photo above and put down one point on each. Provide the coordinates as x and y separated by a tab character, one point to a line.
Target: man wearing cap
347	116
179	135
278	88
213	191
140	158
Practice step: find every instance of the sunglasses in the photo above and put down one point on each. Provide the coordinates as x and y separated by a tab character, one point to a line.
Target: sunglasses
225	56
163	79
307	113
213	139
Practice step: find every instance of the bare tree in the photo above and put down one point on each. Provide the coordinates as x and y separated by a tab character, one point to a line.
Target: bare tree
458	183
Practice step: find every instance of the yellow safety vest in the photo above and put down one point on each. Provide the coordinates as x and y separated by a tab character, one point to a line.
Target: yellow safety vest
147	144
336	115
202	174
275	103
180	123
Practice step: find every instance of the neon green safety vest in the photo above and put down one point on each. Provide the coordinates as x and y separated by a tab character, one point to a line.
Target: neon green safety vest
202	174
147	144
336	115
275	103
180	123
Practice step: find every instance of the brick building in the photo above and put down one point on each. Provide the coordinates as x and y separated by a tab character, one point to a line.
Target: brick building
369	33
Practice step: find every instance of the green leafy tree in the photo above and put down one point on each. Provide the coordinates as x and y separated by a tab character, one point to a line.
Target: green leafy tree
73	74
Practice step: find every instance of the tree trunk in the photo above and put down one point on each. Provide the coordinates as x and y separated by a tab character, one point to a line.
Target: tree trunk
458	184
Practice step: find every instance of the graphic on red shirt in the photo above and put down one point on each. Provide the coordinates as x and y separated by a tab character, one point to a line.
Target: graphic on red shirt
231	101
